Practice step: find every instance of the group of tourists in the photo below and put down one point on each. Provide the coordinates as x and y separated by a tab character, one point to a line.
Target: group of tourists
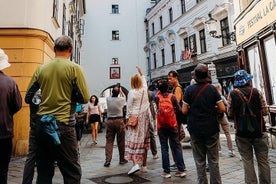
165	108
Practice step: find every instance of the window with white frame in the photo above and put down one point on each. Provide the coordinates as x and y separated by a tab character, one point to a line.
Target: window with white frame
115	8
202	40
115	35
163	57
161	22
171	15
173	53
115	61
225	31
154	61
183	6
152	28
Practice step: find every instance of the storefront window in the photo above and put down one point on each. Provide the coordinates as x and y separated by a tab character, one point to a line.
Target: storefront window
255	68
270	54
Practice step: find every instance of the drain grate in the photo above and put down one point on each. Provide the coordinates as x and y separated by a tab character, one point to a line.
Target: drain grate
120	179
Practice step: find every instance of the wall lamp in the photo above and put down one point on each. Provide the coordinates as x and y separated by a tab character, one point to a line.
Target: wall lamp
212	27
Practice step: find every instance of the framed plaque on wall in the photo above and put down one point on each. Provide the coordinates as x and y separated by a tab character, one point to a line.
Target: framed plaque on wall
114	72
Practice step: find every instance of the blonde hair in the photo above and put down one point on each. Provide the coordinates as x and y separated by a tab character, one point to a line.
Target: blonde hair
136	82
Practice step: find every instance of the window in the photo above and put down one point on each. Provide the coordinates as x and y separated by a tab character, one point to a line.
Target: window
55	14
225	31
171	15
115	35
115	61
202	41
115	9
163	57
161	22
55	9
197	1
154	60
190	47
152	28
192	42
183	7
173	52
147	30
63	19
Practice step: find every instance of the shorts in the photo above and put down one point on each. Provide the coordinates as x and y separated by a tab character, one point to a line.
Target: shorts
94	118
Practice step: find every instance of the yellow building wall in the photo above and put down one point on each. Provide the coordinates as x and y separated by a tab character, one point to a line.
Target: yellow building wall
26	49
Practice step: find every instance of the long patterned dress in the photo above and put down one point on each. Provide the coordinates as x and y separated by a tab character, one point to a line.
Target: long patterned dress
137	138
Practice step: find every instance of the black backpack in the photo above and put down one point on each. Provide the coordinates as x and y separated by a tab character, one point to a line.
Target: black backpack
248	125
181	117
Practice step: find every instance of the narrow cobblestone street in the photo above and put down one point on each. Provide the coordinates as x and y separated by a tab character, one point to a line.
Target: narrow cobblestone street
92	159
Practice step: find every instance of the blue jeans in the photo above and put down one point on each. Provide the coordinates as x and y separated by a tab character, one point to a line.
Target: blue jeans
166	134
206	146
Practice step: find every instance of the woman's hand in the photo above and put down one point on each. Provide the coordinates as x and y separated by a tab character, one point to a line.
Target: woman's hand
139	70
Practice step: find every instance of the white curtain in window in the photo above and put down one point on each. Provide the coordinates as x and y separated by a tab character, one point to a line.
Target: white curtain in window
255	68
270	48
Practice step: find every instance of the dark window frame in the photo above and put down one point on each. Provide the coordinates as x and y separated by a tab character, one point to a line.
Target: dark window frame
161	22
202	40
183	6
115	35
152	28
173	53
224	26
115	9
163	56
171	15
154	61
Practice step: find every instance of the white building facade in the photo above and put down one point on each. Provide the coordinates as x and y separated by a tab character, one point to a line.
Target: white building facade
178	38
113	43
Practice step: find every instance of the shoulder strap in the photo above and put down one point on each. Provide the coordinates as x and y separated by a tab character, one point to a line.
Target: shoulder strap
201	90
242	96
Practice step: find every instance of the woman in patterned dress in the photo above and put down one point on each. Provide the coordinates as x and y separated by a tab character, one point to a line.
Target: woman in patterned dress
137	138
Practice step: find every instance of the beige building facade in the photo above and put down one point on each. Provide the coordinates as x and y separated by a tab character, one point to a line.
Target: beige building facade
255	32
27	33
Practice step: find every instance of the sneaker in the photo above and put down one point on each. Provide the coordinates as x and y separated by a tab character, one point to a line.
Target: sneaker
144	169
231	153
155	156
122	162
107	164
134	169
173	167
220	153
95	142
180	174
166	175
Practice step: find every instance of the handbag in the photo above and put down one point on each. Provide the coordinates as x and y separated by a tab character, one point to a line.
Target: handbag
133	119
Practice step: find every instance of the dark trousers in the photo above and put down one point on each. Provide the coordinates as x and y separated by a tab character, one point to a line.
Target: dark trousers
180	146
66	154
29	167
152	139
5	157
206	146
166	134
115	128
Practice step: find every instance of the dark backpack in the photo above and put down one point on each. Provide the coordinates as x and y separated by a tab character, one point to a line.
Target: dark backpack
248	125
166	117
181	118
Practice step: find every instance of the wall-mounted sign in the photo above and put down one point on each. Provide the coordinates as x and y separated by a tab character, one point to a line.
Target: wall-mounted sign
260	16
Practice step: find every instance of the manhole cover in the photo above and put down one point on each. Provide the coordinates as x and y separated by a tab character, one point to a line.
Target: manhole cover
119	178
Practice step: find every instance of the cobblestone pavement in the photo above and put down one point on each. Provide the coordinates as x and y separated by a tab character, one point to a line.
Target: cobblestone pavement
93	156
